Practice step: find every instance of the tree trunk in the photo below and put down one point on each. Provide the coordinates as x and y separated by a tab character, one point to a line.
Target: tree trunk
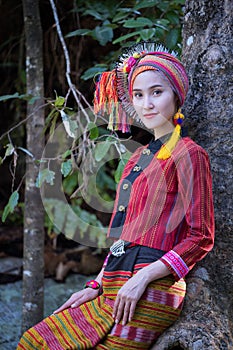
207	318
33	275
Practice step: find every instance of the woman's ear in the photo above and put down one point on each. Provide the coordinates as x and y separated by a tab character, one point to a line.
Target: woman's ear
177	103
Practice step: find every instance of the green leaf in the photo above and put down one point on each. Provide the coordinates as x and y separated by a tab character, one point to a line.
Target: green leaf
66	168
9	150
173	17
12	203
101	150
7	97
1	160
119	16
162	23
59	102
94	131
172	38
163	6
94	14
146	3
50	117
121	166
70	125
125	37
110	25
6	212
53	124
179	2
70	183
138	22
112	138
104	182
160	34
71	225
91	72
79	32
56	212
103	34
60	212
147	34
22	97
45	175
39	161
119	170
66	154
33	99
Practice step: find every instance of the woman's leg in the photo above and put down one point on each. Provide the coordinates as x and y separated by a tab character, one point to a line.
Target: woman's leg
159	307
72	329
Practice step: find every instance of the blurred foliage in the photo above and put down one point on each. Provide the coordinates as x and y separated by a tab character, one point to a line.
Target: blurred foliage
116	22
77	223
102	30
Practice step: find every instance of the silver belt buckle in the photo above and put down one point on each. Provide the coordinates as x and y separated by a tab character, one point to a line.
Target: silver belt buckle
117	249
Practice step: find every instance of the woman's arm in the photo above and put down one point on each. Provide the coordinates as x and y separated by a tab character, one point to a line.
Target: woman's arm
196	202
82	296
132	290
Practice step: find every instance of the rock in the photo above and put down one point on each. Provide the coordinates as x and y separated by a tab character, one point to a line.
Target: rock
10	269
11	305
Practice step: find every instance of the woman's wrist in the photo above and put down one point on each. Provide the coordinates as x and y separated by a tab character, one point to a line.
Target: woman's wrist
94	284
153	271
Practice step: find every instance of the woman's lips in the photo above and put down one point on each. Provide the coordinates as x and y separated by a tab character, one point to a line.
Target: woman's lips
149	116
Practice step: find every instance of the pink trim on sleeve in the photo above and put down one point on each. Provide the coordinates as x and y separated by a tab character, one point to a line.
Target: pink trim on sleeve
175	263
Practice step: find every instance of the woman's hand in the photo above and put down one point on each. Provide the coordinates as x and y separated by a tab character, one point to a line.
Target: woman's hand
127	298
78	299
132	290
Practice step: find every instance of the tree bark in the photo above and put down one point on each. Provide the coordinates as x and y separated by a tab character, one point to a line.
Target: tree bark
207	318
33	274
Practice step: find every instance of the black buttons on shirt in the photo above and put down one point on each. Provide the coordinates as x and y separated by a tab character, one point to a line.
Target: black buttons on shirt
126	185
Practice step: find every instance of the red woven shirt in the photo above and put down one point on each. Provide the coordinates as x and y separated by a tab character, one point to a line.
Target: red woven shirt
170	206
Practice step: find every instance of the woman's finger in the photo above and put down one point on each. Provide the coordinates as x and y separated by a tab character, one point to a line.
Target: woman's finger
119	310
67	304
126	312
78	299
132	310
115	307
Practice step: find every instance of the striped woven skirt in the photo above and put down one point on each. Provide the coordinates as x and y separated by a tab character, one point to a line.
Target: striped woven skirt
91	325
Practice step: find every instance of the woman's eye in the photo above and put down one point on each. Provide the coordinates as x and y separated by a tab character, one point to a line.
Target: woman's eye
137	94
157	92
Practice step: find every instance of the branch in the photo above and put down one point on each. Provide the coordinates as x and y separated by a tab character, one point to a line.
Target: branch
7	133
67	59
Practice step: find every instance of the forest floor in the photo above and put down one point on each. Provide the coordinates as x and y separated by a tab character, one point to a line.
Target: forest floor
11	305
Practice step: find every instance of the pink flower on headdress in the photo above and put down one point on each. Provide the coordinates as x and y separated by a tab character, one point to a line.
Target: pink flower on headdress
131	61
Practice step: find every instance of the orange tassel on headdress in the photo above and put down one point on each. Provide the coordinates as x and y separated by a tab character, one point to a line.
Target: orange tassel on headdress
106	102
105	99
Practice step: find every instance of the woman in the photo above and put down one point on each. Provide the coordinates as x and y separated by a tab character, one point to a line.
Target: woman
162	222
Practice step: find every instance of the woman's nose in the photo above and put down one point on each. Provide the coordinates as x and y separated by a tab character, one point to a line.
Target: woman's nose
147	102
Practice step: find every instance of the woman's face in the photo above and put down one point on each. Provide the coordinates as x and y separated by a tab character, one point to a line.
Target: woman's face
154	101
